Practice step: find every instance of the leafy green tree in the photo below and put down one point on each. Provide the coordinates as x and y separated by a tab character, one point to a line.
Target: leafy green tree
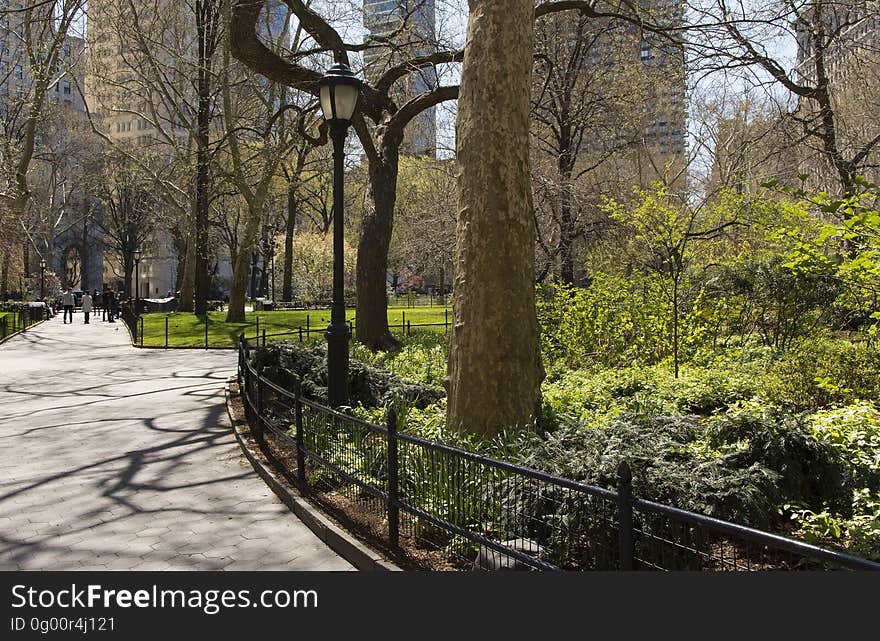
664	231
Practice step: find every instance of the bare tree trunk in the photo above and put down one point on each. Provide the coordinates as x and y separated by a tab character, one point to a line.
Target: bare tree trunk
372	259
566	224
207	17
566	259
495	370
84	257
287	287
188	282
263	287
238	290
4	278
200	293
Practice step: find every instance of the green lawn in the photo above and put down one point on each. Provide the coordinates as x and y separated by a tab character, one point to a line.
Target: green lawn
187	330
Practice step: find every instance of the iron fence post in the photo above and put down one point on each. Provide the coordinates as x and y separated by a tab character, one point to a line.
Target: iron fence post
166	332
393	490
257	332
409	328
625	516
446	320
300	334
141	319
264	337
403	322
240	361
300	437
258	422
206	329
246	392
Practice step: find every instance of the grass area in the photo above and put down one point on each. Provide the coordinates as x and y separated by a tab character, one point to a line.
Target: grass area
188	330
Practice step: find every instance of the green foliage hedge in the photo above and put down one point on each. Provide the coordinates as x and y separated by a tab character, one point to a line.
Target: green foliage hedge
292	366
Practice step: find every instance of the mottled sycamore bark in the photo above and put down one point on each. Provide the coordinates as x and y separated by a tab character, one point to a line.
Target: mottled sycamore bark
495	367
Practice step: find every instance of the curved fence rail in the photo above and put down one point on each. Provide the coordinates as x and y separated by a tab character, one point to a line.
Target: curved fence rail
448	508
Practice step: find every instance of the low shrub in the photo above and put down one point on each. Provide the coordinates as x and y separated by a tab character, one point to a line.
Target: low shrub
854	432
666	466
291	366
859	533
823	373
596	397
810	472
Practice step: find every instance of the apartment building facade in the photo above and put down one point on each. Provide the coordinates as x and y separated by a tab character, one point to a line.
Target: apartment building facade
410	25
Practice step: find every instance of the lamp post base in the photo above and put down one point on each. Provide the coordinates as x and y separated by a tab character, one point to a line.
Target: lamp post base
338	336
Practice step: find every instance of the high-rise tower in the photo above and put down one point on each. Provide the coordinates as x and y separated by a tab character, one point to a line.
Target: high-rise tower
412	23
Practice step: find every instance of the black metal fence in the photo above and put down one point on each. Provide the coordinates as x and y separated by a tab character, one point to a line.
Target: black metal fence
313	329
19	318
447	508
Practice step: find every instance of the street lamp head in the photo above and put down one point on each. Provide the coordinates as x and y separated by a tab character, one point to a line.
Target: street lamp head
340	89
42	264
137	254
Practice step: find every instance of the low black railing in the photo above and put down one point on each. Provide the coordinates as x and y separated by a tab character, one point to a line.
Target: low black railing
17	317
453	509
163	336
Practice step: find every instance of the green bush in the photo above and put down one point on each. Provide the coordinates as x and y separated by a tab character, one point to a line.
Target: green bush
666	464
859	533
822	373
597	397
810	472
291	366
854	432
614	320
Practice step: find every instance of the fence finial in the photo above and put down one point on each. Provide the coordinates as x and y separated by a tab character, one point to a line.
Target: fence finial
624	474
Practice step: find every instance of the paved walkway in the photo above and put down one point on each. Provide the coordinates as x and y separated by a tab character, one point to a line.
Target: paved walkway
118	458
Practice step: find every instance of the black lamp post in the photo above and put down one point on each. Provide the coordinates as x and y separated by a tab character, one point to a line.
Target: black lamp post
137	281
42	279
340	89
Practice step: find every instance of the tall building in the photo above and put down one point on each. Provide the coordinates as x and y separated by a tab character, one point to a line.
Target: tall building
150	114
413	24
626	87
752	149
843	36
64	230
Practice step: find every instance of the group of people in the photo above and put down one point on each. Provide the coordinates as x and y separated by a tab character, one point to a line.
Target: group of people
108	302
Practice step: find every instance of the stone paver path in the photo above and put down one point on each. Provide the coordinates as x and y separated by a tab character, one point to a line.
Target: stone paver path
118	458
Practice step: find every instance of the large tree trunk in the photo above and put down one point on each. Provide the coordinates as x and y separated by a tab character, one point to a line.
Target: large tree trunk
200	293
287	287
371	321
263	287
495	370
238	291
188	282
205	27
4	278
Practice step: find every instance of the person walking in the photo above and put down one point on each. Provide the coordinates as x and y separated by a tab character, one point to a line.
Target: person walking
114	308
86	306
67	302
105	304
